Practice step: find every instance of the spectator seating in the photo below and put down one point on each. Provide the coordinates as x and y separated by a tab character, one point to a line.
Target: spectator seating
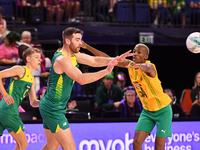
124	12
8	7
142	13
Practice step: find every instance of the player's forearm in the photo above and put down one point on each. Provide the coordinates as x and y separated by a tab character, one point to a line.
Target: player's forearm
101	61
96	52
34	103
86	78
7	61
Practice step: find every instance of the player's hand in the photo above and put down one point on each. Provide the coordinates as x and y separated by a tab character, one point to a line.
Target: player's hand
123	56
8	99
133	65
72	104
112	64
84	45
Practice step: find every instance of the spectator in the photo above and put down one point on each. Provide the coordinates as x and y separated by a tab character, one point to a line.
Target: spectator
108	95
179	12
195	110
8	52
3	26
26	7
196	88
195	11
26	37
71	7
40	74
160	11
176	108
130	106
54	10
121	80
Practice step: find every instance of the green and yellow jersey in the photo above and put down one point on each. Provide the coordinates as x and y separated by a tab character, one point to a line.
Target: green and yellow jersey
18	89
149	89
59	88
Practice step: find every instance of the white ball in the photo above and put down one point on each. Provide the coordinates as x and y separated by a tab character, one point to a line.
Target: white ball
193	42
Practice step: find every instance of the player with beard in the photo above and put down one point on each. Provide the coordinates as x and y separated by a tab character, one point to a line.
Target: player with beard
64	72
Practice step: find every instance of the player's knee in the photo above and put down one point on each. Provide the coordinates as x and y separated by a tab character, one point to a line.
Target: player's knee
53	147
136	143
159	146
23	145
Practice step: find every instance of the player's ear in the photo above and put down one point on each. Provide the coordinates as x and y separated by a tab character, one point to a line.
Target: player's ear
146	57
28	58
67	41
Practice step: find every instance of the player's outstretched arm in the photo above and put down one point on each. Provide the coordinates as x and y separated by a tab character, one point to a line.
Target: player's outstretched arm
96	61
93	50
16	72
32	97
64	64
96	52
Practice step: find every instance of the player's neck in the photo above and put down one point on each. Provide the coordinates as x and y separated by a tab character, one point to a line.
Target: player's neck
66	50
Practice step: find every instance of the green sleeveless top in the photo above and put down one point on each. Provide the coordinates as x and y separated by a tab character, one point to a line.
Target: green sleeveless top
18	89
59	88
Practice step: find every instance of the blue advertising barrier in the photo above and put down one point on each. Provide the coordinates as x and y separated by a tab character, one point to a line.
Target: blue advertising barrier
111	136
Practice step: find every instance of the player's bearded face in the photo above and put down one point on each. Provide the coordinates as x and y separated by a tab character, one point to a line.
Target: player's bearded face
76	43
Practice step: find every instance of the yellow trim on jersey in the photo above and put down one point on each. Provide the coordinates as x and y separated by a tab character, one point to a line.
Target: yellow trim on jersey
28	77
11	88
57	128
59	87
19	130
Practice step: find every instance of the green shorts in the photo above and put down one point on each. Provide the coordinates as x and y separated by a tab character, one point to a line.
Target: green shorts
54	121
163	119
11	123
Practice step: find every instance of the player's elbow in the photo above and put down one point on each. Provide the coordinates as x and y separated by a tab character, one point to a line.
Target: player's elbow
81	82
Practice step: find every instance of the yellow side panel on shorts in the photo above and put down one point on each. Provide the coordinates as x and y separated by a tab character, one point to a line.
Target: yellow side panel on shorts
57	129
19	130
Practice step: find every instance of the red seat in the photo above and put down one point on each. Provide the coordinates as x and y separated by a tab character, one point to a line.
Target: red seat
186	101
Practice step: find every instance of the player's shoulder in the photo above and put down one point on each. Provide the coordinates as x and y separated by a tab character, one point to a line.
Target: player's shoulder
18	68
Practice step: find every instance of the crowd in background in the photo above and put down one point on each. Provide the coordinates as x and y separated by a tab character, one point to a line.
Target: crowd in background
182	13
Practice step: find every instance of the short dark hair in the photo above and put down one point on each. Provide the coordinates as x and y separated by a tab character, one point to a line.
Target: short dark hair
29	51
13	36
68	33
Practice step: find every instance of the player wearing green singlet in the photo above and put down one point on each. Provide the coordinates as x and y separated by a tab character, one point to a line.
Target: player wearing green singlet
56	96
18	89
21	83
64	72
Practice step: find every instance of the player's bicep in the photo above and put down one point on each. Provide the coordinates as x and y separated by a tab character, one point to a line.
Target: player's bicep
12	72
69	69
151	70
